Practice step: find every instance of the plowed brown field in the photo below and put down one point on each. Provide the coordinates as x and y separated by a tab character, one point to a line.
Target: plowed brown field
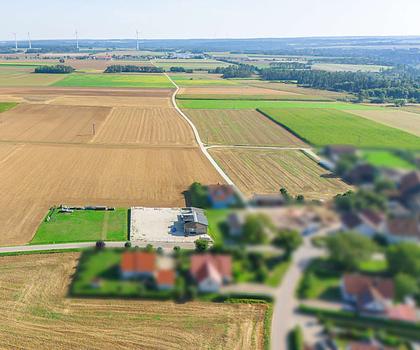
266	171
150	126
36	314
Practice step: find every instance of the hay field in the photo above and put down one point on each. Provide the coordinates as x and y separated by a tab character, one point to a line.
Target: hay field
203	64
240	127
36	314
46	175
145	126
42	122
265	171
399	119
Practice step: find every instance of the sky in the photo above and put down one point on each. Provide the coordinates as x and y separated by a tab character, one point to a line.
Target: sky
176	19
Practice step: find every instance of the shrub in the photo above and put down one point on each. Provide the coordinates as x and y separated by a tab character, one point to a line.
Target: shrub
100	244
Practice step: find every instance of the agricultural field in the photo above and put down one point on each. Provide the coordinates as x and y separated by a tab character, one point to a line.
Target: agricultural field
387	159
253	104
83	226
142	154
49	123
202	64
145	126
266	171
191	80
322	127
338	67
5	106
399	119
128	80
240	127
15	76
47	175
36	313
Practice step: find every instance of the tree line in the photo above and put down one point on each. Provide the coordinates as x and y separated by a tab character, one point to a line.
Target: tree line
117	68
57	69
235	71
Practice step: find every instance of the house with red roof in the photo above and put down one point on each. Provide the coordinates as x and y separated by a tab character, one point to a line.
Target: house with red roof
221	196
210	271
145	265
368	294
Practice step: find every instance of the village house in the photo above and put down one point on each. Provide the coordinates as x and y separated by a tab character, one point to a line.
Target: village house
366	346
210	272
221	196
195	221
367	222
148	266
410	190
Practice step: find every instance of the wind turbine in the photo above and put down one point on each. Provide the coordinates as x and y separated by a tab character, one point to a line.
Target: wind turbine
29	40
16	44
137	40
77	40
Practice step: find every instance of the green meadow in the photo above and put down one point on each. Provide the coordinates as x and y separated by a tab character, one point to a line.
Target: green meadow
387	159
83	226
115	80
253	104
322	127
184	80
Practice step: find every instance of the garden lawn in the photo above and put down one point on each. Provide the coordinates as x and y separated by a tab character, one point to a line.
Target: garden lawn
253	104
322	127
116	80
83	226
5	106
387	159
216	219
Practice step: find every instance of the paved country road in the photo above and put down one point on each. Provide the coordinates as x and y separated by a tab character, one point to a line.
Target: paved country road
81	245
285	317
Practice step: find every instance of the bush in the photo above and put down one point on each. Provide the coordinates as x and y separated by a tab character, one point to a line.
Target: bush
127	244
201	245
100	244
296	339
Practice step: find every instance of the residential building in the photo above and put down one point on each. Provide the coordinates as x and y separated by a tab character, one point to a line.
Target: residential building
368	294
221	196
137	265
195	221
211	271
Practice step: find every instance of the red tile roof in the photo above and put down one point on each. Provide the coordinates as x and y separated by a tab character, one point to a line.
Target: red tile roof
220	192
403	312
138	262
204	265
409	182
357	285
165	277
404	226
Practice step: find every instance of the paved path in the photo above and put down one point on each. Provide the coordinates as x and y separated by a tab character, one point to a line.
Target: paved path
81	245
201	144
248	288
285	317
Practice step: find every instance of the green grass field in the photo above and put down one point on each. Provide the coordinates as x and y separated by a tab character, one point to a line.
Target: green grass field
24	64
253	104
387	159
322	127
83	226
191	80
116	80
216	218
5	106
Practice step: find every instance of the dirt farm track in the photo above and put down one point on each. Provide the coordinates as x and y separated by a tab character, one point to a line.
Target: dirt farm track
139	152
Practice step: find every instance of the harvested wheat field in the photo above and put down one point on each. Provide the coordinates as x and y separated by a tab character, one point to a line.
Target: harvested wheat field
36	314
266	171
46	175
406	121
145	126
49	123
232	90
240	127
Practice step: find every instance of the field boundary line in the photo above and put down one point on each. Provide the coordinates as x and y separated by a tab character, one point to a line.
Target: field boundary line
201	144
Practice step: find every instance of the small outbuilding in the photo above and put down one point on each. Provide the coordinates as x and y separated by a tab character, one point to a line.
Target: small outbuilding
195	221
